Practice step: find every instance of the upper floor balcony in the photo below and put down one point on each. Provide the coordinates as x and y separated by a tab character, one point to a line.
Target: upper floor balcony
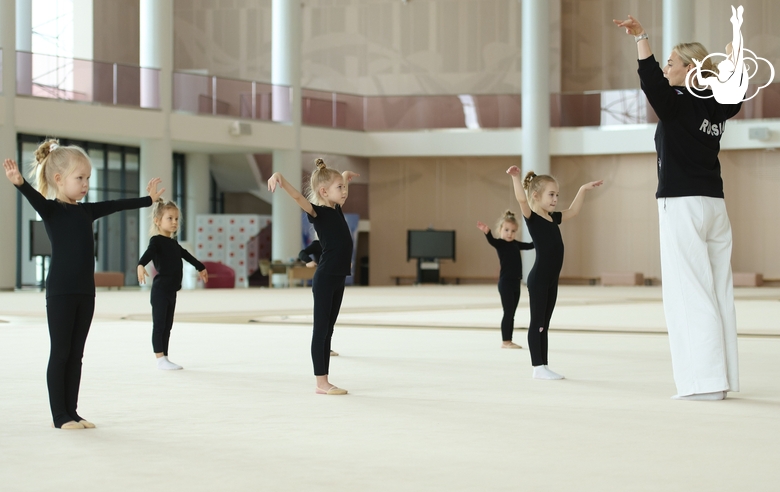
103	83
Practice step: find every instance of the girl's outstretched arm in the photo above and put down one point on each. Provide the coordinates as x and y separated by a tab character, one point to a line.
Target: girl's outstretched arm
12	172
517	182
576	205
278	180
348	175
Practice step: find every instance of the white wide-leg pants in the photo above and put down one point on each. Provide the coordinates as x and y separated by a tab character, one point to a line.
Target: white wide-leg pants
698	293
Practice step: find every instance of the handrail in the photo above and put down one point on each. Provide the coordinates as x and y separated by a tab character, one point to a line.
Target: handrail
76	79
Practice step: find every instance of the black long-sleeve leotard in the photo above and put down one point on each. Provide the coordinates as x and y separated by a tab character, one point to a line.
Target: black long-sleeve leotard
509	258
167	253
69	226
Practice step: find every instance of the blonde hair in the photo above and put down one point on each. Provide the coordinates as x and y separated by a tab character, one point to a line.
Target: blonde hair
322	176
696	51
51	159
535	184
508	216
158	210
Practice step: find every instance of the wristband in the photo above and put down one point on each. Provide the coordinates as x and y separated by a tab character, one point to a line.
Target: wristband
640	37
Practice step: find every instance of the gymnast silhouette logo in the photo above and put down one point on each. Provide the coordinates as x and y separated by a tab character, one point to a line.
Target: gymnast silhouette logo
730	83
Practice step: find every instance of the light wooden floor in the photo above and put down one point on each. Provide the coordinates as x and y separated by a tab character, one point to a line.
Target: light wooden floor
434	404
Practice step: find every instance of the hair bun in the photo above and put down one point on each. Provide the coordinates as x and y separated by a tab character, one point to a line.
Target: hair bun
46	148
320	164
528	179
509	214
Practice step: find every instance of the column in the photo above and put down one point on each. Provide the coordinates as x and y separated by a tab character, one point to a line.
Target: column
285	63
535	87
23	43
678	26
9	196
198	186
83	46
156	51
535	95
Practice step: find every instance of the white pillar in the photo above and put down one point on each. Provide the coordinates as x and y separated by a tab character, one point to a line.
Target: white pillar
156	51
535	94
83	29
23	43
8	196
285	63
678	25
536	87
83	45
286	60
198	185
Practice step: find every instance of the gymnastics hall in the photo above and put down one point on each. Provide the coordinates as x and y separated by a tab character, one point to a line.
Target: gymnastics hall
425	100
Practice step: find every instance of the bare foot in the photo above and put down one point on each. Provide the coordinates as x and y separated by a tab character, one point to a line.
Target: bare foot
510	345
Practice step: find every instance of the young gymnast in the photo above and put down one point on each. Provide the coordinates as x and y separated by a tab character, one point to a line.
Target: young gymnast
511	271
62	173
166	253
538	208
328	192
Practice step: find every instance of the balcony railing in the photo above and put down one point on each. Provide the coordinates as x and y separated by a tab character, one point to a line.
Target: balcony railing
116	84
73	79
207	94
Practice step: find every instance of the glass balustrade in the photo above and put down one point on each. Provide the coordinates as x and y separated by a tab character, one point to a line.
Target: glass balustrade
115	84
73	79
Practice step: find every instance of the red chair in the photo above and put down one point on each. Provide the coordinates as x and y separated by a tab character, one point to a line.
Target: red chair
220	276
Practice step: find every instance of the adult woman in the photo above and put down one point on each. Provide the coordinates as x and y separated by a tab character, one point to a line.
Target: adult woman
695	231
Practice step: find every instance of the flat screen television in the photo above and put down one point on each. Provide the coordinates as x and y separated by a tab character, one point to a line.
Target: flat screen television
430	244
39	240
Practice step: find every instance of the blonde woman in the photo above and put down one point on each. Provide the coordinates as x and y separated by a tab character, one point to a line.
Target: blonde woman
695	231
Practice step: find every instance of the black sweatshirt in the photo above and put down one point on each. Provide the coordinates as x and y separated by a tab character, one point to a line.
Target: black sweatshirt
509	258
314	250
335	238
167	253
69	227
687	138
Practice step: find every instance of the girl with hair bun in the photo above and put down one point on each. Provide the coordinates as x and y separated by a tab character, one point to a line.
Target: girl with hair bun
328	190
166	253
508	250
62	174
538	197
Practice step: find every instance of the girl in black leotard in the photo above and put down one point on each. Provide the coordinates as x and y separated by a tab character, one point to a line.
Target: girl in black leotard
511	271
167	255
63	173
538	208
328	192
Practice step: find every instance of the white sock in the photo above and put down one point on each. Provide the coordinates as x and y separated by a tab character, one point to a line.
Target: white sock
717	395
544	372
164	364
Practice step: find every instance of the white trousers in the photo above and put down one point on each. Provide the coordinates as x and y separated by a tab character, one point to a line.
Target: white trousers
698	293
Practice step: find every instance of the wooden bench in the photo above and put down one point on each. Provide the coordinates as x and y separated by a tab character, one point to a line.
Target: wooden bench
299	273
622	278
469	279
110	279
748	279
568	280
